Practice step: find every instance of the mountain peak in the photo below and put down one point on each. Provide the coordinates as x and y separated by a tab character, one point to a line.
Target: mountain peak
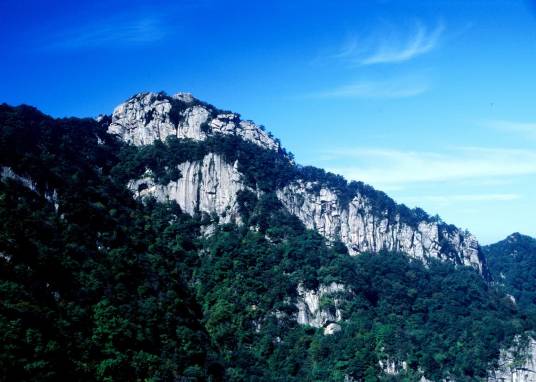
512	245
148	116
362	218
516	236
184	97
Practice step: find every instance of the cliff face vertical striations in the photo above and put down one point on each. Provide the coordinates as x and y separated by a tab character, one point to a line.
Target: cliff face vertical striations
517	364
210	185
362	229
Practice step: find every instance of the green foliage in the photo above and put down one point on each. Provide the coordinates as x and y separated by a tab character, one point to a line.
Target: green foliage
90	291
101	287
512	263
266	170
441	320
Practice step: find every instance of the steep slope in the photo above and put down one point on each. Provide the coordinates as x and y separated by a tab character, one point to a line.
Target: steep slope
517	363
362	218
86	292
97	286
209	185
366	227
512	263
147	117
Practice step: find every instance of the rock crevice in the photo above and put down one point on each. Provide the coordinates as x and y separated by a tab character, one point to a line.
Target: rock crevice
209	185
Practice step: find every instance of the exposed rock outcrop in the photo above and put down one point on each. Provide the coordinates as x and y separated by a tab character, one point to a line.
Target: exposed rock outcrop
148	117
209	185
8	173
50	195
517	364
391	367
364	230
320	308
332	328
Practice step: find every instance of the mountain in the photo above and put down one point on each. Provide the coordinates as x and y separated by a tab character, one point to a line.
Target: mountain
364	219
512	263
84	289
148	117
173	241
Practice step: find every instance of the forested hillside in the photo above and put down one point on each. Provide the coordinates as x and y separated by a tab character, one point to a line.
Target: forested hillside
513	264
95	285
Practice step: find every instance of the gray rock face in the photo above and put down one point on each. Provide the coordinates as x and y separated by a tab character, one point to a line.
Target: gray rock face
50	195
209	185
312	310
391	367
517	364
363	230
8	173
332	328
148	117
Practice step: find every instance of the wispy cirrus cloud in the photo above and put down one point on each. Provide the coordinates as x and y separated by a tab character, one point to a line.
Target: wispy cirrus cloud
464	198
527	129
385	45
126	31
388	45
386	168
391	50
401	87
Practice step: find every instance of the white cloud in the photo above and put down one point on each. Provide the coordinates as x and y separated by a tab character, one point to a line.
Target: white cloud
392	45
385	46
460	198
112	32
388	168
391	50
527	129
393	88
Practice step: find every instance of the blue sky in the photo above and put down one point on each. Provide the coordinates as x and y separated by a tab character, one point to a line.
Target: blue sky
430	101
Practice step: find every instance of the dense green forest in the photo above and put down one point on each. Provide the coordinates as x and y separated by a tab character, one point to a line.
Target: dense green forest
86	293
97	286
512	262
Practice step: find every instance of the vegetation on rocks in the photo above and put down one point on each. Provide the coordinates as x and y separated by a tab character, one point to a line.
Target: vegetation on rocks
97	286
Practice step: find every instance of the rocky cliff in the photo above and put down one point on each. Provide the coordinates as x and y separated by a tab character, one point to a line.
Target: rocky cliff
210	185
147	117
320	308
7	173
517	364
364	230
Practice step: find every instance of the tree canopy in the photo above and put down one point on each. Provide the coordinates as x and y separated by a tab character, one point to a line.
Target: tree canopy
95	285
